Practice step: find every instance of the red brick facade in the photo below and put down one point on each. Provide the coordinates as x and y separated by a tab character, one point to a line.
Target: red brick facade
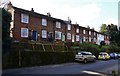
38	27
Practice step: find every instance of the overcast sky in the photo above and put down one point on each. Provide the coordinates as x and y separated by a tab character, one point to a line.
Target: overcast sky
84	12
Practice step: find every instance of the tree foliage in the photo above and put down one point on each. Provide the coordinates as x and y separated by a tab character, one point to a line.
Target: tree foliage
103	29
113	33
6	19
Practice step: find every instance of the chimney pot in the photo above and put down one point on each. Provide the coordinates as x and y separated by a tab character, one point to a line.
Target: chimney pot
32	9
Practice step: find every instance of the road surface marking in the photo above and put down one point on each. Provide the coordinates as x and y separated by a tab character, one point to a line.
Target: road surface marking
57	65
91	72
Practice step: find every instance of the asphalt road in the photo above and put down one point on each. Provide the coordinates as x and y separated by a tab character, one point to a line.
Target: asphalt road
98	68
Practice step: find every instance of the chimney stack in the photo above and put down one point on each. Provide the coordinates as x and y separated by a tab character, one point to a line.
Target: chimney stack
69	20
48	14
32	10
9	6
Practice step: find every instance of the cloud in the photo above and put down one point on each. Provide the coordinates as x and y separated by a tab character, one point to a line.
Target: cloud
84	15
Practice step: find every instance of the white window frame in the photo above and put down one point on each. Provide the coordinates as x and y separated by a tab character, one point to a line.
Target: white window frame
84	31
89	32
89	39
69	27
44	22
24	32
44	34
77	38
24	18
94	33
58	25
77	30
59	35
94	39
73	38
69	36
84	39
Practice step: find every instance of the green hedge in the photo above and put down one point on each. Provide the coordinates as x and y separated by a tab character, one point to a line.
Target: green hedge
10	59
48	48
38	47
16	59
58	48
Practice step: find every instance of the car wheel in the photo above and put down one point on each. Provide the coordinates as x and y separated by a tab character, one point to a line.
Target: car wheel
85	61
94	60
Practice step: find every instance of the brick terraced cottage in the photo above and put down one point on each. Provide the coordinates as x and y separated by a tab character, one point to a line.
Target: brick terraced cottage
34	26
29	25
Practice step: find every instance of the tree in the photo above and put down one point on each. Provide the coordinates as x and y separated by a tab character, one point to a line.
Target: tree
6	40
113	34
103	29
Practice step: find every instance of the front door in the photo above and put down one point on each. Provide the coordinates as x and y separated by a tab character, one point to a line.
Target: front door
73	38
63	37
80	40
50	36
34	35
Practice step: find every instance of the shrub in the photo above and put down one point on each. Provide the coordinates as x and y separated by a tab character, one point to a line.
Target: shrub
48	48
38	47
114	48
58	48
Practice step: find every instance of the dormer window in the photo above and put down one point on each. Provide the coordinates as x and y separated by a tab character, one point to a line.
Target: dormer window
24	18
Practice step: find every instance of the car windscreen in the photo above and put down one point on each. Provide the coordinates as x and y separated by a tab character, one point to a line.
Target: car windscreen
86	53
102	54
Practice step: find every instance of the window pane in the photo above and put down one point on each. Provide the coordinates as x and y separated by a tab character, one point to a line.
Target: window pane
24	32
44	34
84	39
89	32
24	18
77	38
89	39
44	22
58	25
57	35
68	36
69	27
94	33
83	31
77	30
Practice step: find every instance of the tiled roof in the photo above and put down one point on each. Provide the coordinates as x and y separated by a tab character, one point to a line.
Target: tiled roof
35	14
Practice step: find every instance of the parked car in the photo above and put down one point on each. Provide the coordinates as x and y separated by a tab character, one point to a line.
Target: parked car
84	56
118	55
113	55
104	56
